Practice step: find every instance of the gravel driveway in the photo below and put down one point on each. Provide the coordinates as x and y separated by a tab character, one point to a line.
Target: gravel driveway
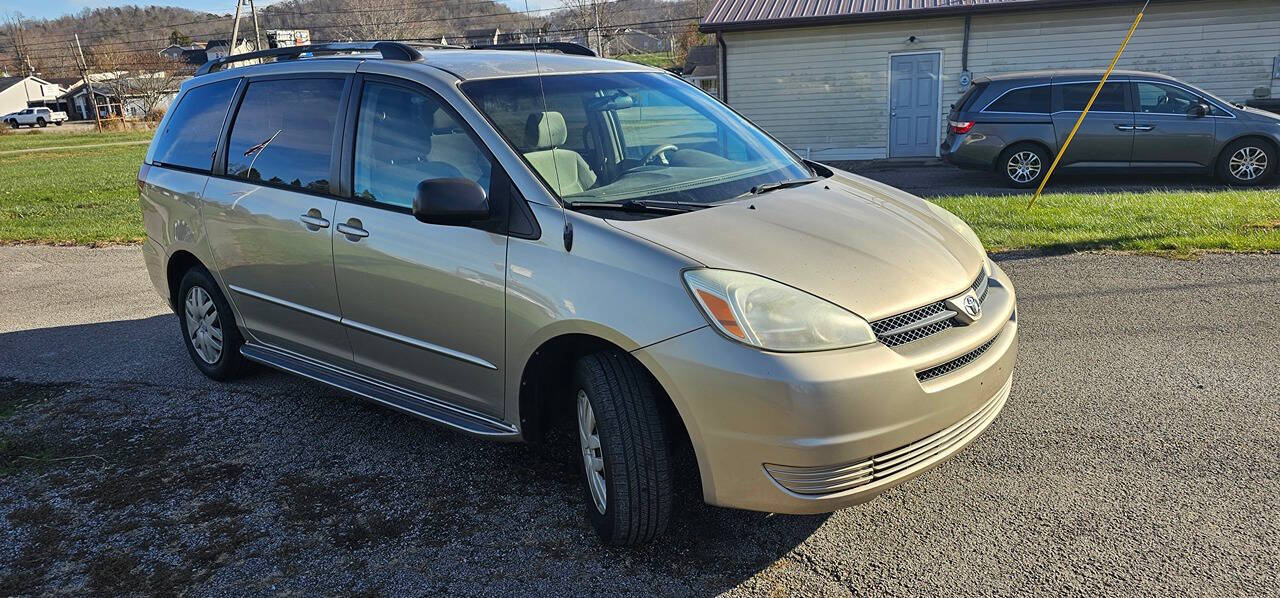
1139	454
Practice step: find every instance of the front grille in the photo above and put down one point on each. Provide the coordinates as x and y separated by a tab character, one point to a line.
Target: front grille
884	328
886	467
925	321
955	364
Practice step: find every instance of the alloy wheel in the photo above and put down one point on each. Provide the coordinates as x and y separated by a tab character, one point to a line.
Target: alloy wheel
1248	163
204	329
1024	166
592	458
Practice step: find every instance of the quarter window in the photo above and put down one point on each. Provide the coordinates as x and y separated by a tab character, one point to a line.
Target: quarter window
191	134
1154	98
1076	95
283	133
1033	100
404	137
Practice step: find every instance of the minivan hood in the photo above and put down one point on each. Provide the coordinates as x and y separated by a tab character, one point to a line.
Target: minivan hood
869	248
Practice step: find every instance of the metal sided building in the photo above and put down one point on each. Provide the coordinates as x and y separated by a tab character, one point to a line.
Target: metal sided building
870	79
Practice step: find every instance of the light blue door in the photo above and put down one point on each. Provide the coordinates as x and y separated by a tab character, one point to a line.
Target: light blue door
913	105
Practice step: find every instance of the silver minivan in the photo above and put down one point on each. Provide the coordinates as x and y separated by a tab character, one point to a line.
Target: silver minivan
510	242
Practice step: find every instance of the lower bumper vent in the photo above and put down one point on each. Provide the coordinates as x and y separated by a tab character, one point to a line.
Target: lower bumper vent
955	364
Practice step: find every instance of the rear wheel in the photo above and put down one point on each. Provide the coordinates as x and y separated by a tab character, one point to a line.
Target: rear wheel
58	123
1023	166
1247	162
40	121
625	459
208	327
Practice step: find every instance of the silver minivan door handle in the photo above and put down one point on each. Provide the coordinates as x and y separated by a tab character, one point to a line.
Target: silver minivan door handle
314	220
1124	127
352	229
1144	127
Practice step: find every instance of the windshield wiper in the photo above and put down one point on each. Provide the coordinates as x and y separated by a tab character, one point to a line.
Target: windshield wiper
767	187
636	205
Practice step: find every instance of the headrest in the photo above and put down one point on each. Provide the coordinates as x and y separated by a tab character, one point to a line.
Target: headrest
545	130
442	121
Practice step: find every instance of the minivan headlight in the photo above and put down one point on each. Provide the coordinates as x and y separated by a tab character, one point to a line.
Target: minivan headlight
773	316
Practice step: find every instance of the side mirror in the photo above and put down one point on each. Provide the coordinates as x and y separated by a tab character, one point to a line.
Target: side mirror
450	201
1201	110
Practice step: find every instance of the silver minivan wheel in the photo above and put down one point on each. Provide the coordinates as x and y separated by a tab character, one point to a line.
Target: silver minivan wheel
1024	166
592	459
1248	163
204	329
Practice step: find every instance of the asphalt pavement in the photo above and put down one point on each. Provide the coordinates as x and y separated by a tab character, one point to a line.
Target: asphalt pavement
1139	454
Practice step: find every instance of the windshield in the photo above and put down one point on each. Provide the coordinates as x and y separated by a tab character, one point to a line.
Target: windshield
615	137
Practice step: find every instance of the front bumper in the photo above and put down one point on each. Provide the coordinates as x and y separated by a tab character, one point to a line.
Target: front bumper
815	432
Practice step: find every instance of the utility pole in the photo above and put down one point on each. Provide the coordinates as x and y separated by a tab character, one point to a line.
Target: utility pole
595	5
88	83
235	30
257	34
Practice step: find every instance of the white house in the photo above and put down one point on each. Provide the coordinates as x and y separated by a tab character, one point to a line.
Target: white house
17	93
824	77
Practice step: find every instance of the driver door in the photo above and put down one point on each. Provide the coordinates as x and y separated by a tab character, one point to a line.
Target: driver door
423	304
1168	133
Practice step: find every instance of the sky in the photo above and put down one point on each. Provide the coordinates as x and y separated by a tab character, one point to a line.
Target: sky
48	9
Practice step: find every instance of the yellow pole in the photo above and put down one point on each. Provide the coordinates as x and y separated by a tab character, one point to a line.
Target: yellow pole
1088	106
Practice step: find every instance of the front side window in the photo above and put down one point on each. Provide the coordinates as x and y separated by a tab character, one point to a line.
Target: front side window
191	133
613	137
1154	98
283	133
1030	100
1076	95
404	137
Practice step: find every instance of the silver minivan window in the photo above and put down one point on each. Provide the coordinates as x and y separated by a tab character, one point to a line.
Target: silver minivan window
613	137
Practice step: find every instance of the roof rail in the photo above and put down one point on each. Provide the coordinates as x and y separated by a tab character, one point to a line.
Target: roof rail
389	51
562	47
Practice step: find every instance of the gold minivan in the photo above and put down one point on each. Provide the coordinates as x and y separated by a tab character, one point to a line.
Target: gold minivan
506	241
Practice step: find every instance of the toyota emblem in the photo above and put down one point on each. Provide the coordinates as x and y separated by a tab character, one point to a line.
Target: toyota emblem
972	307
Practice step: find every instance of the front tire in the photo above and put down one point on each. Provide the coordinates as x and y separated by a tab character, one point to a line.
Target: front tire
208	327
1246	163
625	461
1023	166
13	124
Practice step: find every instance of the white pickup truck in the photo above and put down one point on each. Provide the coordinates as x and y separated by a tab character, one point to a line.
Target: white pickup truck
34	117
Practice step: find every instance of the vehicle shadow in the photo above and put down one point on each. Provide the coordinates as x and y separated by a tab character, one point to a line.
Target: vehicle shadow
932	178
112	437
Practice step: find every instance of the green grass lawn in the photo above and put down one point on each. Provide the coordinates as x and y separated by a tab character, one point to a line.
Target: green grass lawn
83	196
26	139
1178	222
89	196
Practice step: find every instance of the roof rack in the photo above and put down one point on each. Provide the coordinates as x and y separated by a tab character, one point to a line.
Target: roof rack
562	47
389	51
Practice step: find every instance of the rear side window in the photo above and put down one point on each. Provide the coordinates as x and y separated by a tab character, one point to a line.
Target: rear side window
191	134
283	133
1032	100
966	101
1076	95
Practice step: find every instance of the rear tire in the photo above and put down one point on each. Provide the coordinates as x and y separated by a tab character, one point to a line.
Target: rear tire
208	327
625	458
1247	162
1023	166
57	124
42	123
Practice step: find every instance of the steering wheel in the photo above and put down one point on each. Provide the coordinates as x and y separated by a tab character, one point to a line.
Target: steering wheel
659	152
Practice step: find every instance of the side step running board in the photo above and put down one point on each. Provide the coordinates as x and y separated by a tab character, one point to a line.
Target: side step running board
385	394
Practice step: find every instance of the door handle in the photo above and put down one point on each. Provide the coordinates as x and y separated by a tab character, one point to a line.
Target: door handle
1144	127
352	229
314	220
1124	127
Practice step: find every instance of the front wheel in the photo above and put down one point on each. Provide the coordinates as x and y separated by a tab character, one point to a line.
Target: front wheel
625	460
1023	166
208	327
1246	163
13	124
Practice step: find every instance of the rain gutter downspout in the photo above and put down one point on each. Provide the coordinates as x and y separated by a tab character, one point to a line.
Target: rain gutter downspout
724	68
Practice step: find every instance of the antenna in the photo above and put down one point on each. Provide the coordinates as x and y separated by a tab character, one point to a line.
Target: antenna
568	227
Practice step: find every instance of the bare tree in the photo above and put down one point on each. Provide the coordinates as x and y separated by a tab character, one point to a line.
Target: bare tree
594	17
19	43
143	80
